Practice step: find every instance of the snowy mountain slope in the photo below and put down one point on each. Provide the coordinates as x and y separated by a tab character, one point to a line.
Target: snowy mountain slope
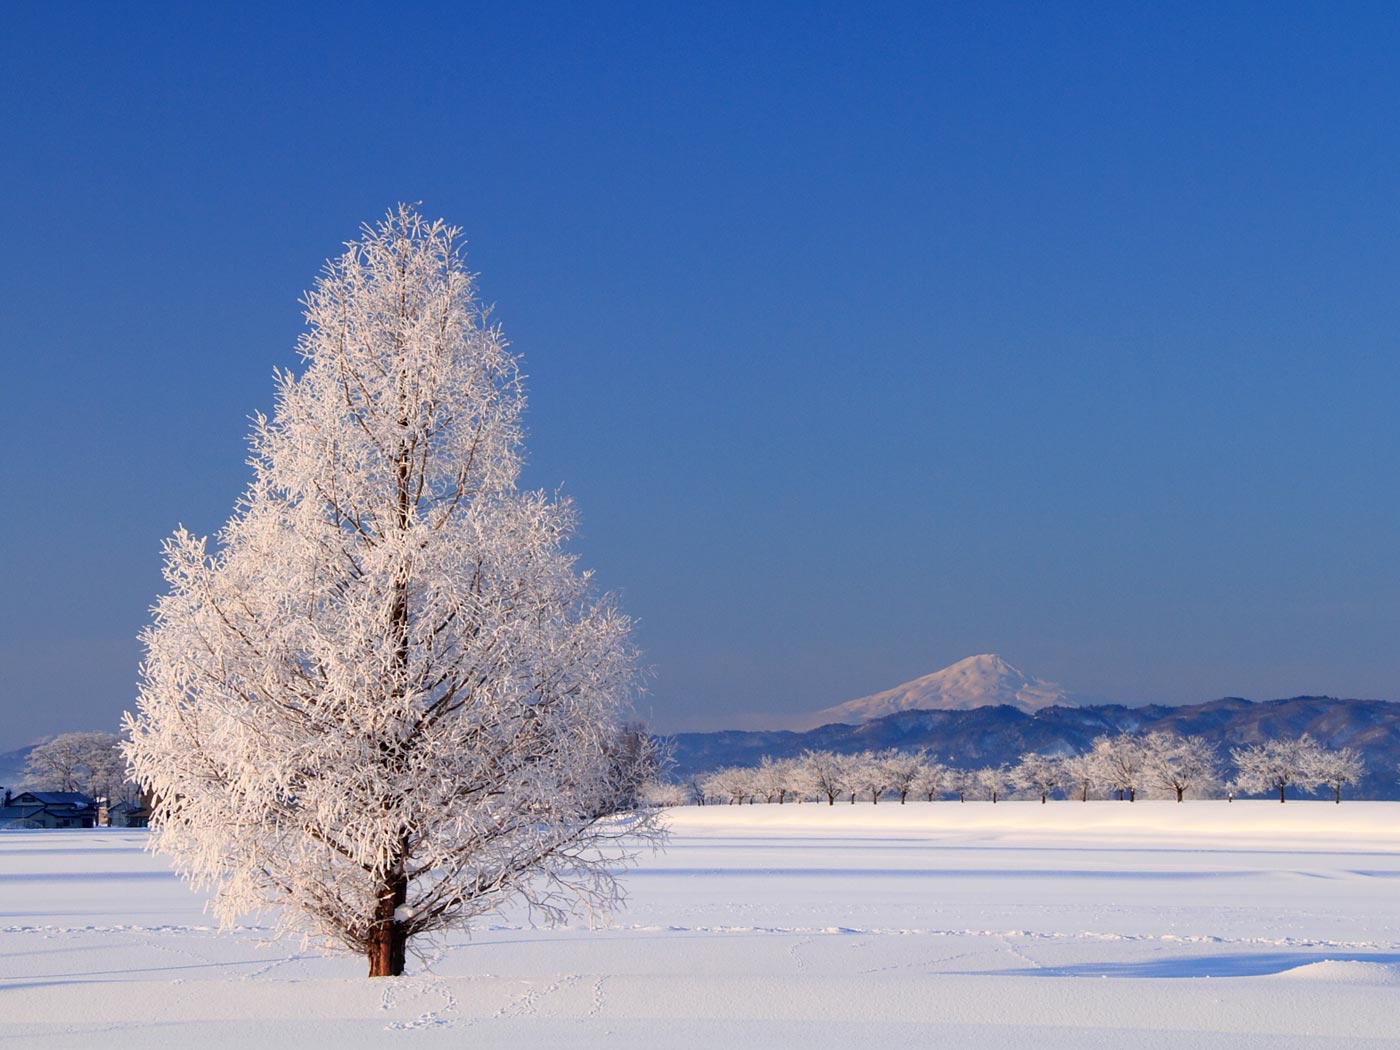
978	681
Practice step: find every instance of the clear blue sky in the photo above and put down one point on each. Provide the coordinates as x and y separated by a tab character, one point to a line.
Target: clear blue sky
865	338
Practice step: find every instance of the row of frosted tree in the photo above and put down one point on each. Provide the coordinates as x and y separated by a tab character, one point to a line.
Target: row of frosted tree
1127	767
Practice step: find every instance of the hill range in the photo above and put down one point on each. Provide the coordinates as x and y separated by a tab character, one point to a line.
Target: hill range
1023	714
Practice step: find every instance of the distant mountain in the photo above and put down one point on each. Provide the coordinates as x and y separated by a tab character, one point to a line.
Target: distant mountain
12	765
978	681
992	735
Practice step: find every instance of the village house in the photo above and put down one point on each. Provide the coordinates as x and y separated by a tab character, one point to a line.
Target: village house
48	809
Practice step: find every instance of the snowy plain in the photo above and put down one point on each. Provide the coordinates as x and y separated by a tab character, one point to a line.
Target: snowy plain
1074	925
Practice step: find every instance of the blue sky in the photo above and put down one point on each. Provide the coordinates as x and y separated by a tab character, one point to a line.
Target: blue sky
866	338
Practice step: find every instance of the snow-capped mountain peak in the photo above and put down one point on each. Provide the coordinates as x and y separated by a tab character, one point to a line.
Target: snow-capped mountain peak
977	681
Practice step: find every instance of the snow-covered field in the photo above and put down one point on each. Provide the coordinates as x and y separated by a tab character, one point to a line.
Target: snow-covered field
1083	925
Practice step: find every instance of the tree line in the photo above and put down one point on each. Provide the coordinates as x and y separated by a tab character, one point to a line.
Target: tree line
89	763
1126	766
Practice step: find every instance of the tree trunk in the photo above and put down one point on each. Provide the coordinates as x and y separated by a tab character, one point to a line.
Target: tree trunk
388	940
1179	792
1280	794
1338	799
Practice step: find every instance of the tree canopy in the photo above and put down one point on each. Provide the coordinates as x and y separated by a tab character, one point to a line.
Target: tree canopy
385	701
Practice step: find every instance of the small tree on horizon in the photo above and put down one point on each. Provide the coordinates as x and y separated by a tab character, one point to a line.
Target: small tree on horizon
824	774
1180	763
1040	774
774	778
1336	769
931	780
870	774
992	781
963	782
1276	764
1119	761
1081	773
386	703
903	770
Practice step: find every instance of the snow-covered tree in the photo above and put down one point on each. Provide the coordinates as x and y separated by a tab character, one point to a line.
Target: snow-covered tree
869	775
1119	762
90	763
1179	764
902	771
734	785
1040	774
664	793
385	702
695	785
1081	773
824	774
964	782
1275	764
774	779
992	781
1336	768
931	780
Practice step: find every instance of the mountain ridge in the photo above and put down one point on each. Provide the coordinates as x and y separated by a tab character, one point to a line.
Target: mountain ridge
992	735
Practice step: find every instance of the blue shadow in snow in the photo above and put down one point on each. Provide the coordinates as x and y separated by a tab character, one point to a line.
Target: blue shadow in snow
939	873
1236	965
85	876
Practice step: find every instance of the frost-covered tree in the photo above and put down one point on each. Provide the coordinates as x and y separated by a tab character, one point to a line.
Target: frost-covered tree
902	771
1179	764
869	775
824	774
931	780
1119	762
992	781
695	785
385	702
1275	764
664	793
964	782
774	778
730	784
90	763
1040	774
1081	773
1336	768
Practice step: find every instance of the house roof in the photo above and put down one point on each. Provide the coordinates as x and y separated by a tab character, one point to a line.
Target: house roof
57	798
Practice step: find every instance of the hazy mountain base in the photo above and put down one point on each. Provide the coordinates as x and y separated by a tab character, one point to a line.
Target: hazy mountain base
991	735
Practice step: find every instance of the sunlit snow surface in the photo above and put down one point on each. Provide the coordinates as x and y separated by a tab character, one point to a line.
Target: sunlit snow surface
1101	924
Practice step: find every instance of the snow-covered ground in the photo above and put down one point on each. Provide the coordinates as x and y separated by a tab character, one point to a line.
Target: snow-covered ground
1083	925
